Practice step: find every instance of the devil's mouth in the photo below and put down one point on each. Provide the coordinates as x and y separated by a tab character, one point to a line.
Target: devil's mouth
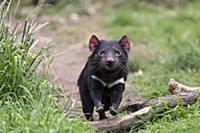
110	68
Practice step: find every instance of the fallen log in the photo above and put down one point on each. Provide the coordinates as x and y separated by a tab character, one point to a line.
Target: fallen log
181	95
120	123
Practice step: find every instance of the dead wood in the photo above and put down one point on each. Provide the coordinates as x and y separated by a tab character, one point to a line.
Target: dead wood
181	95
175	87
120	123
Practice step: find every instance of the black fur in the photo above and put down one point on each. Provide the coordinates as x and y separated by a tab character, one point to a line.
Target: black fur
92	92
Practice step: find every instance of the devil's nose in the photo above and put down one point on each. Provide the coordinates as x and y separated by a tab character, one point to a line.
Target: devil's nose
110	61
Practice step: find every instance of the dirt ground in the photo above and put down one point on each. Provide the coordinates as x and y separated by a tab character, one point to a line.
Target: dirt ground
70	53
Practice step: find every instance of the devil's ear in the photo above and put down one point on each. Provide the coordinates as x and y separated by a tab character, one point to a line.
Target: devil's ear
124	42
93	43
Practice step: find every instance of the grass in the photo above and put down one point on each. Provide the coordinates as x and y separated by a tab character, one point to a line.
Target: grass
63	8
27	98
42	116
185	119
166	42
166	45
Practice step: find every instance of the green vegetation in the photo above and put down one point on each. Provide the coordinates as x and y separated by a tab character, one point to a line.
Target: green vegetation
180	119
166	45
27	99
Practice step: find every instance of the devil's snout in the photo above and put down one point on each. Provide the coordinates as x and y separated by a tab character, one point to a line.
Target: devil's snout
110	61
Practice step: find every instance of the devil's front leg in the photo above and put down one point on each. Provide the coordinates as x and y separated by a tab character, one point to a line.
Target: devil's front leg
116	98
96	90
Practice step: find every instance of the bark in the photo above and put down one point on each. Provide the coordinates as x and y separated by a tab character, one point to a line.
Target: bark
120	124
181	95
176	88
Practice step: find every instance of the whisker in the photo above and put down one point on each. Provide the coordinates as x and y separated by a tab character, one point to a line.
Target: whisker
124	68
123	62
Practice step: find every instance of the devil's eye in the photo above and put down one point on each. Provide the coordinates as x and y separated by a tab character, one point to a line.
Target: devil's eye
117	53
101	53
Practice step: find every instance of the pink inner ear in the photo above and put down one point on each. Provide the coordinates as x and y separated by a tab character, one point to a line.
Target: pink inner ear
93	43
125	43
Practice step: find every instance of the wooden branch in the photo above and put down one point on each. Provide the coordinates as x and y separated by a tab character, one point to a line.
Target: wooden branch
184	94
181	95
175	87
120	123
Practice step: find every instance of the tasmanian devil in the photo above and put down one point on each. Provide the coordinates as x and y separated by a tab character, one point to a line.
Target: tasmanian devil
102	80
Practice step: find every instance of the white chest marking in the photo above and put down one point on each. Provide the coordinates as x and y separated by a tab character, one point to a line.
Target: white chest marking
109	85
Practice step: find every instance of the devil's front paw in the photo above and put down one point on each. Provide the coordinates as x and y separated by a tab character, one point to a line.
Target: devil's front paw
112	111
100	109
